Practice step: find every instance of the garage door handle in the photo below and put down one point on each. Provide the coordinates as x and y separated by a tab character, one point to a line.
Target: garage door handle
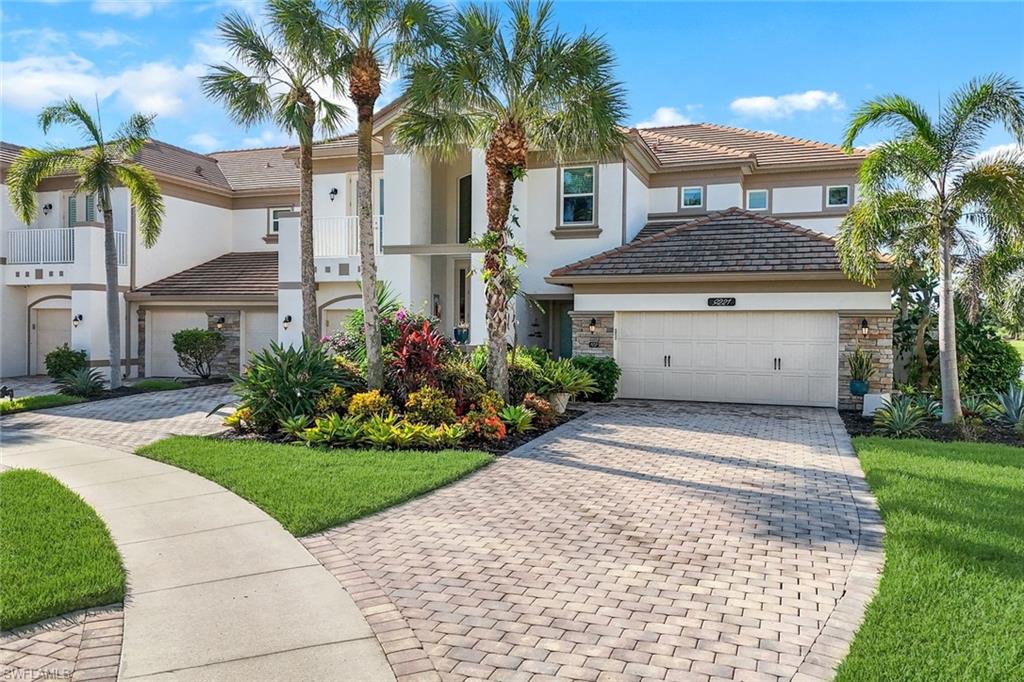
670	361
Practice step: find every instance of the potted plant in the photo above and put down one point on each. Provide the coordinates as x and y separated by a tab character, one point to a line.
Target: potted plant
560	380
861	371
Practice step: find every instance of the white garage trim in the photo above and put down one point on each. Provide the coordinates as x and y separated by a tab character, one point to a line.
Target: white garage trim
831	300
766	357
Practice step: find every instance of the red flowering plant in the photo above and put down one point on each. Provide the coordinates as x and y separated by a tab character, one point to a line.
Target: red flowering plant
419	353
482	420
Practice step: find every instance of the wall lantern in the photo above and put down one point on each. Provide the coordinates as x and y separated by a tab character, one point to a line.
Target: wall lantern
220	323
593	325
286	321
77	319
334	193
863	327
47	208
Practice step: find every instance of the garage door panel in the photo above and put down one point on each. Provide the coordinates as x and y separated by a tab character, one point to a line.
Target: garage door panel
705	354
732	355
704	326
163	359
53	329
260	331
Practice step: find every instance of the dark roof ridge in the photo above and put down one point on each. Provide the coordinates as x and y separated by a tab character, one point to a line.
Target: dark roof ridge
248	149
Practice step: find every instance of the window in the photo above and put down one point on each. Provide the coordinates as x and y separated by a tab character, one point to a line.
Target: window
275	219
693	197
837	195
90	208
578	195
72	210
380	196
465	208
757	199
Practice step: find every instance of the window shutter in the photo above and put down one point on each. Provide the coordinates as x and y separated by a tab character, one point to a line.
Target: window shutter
72	211
90	208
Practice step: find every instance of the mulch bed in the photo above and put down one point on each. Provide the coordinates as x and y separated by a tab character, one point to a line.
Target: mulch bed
1000	434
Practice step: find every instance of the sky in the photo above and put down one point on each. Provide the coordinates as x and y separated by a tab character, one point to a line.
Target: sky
793	68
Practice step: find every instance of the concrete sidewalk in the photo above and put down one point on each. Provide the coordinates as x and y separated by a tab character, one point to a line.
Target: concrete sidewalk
217	590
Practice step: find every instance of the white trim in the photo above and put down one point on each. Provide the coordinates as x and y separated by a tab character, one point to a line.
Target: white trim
798	301
766	200
682	197
829	188
562	196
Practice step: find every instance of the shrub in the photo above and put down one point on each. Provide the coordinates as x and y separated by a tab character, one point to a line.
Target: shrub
284	382
64	360
900	418
605	373
295	426
986	360
370	404
334	431
377	430
931	407
561	376
491	402
543	412
458	379
518	418
196	349
430	406
83	382
523	377
419	354
979	407
536	353
335	400
1011	405
485	426
450	435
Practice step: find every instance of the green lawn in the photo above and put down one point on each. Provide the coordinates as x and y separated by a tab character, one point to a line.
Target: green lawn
950	605
56	554
37	402
158	385
1019	345
309	489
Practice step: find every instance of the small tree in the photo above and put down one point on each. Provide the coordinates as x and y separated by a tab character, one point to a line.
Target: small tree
197	349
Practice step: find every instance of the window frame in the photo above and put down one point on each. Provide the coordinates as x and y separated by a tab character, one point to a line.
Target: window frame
849	194
271	219
562	196
682	198
458	209
767	200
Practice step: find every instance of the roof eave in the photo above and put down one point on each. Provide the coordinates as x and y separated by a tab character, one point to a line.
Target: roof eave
777	275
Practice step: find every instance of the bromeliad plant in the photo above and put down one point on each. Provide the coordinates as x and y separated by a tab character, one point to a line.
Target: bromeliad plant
561	376
518	418
82	382
901	417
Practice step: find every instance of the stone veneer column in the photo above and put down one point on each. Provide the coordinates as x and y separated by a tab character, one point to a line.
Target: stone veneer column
878	342
227	362
141	342
598	344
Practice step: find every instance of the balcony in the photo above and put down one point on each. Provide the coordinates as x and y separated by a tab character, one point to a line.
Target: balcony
54	245
338	237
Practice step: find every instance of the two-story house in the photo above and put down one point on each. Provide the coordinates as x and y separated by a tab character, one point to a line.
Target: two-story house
699	257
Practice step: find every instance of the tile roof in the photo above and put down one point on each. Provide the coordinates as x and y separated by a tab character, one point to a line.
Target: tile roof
730	241
161	157
764	149
251	273
258	168
9	152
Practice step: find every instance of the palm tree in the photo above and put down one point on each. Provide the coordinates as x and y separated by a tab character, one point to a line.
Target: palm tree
98	166
925	187
509	89
284	74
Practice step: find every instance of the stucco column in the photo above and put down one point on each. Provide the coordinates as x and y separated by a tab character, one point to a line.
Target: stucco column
289	282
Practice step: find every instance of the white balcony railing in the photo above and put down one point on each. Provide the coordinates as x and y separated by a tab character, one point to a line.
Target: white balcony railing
53	246
339	236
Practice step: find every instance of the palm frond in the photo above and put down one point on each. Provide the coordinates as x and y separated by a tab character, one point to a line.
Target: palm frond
247	43
906	115
71	112
146	197
247	100
903	163
976	106
990	193
29	169
875	224
133	134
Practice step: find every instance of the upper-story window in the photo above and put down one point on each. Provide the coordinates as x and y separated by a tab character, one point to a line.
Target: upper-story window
578	195
837	195
72	210
757	199
276	214
693	197
90	208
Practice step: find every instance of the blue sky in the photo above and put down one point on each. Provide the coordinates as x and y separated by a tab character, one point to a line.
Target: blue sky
793	68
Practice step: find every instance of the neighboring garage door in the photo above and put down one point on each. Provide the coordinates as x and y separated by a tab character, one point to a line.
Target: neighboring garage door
260	330
776	358
53	329
334	320
163	361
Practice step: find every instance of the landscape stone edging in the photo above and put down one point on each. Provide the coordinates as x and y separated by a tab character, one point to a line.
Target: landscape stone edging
88	647
833	642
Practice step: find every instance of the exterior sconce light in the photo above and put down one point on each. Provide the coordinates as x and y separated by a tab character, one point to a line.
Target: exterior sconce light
220	323
286	321
593	325
864	327
47	208
334	193
77	319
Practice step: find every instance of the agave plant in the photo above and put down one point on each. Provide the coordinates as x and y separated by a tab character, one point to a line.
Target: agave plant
83	382
561	376
518	418
1011	405
901	417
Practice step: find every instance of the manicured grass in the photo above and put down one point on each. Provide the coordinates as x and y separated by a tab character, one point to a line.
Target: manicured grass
56	554
37	402
158	385
950	604
309	489
1019	345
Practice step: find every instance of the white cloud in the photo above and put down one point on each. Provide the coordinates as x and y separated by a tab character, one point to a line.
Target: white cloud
33	82
666	116
786	105
106	38
204	142
159	88
268	138
39	39
132	8
1000	150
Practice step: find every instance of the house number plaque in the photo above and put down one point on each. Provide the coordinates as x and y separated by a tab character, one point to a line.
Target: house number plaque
722	302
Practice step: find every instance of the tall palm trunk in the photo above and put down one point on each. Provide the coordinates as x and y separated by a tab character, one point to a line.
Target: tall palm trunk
948	371
364	87
113	295
310	324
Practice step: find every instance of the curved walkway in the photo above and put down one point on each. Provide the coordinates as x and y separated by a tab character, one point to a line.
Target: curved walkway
648	541
217	590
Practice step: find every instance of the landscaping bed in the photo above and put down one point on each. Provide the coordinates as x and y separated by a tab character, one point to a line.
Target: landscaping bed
950	603
989	432
57	554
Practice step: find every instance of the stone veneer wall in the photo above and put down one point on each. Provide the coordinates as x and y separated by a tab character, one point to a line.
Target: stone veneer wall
601	342
142	342
228	359
878	342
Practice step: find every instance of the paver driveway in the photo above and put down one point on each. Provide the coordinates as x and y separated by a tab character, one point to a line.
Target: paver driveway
657	541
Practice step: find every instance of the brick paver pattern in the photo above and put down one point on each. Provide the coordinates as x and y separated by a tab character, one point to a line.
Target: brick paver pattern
85	645
129	422
661	541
